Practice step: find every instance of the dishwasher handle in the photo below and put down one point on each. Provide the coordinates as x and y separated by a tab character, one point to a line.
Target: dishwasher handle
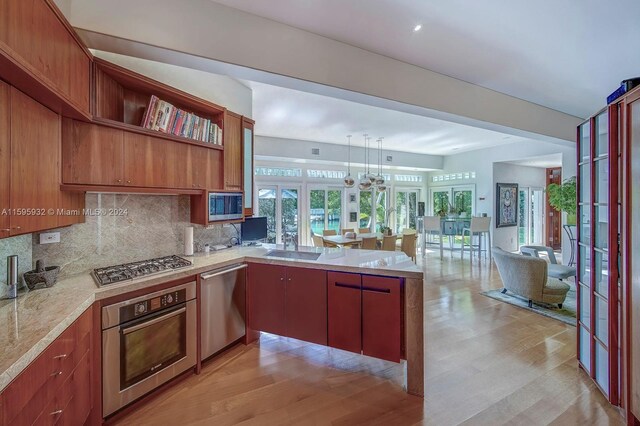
222	271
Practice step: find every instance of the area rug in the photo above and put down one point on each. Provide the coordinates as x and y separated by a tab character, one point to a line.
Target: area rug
567	314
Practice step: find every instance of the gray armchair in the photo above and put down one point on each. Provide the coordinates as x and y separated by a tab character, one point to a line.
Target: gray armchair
527	276
554	270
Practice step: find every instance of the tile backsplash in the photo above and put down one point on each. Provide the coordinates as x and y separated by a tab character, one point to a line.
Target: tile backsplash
131	227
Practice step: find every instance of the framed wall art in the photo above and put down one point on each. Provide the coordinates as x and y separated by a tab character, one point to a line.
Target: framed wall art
506	205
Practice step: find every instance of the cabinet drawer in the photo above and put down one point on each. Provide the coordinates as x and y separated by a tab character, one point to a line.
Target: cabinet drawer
72	403
40	382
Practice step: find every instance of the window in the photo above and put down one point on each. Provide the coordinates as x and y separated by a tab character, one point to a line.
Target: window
326	174
454	176
408	178
458	200
325	209
278	171
367	218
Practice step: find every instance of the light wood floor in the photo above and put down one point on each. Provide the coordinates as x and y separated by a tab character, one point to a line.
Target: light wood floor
487	363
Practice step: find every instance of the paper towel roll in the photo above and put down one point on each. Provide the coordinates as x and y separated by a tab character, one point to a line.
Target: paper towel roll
188	241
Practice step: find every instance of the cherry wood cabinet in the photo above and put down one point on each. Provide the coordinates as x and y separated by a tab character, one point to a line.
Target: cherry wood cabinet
306	304
266	298
344	295
232	151
92	154
206	166
42	56
5	159
381	317
56	387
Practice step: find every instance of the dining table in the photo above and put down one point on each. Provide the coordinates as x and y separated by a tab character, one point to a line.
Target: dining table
343	241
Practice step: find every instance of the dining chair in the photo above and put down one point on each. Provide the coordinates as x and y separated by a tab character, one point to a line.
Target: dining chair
369	243
432	226
318	241
329	232
364	231
479	227
389	242
345	230
408	245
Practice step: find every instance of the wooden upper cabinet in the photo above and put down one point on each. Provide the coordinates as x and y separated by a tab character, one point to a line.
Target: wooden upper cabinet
35	164
43	56
5	160
232	135
91	154
206	168
155	163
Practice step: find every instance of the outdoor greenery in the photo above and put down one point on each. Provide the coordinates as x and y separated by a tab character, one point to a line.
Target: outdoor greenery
319	211
440	203
563	198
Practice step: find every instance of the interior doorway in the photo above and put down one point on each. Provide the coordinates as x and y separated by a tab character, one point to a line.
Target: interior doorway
530	216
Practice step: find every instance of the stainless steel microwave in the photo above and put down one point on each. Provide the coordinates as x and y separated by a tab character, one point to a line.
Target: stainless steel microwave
225	206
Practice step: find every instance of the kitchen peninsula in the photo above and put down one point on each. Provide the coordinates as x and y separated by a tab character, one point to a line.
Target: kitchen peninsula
38	320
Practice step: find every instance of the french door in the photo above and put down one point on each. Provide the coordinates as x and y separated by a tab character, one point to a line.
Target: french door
280	204
372	207
530	216
598	276
325	209
406	209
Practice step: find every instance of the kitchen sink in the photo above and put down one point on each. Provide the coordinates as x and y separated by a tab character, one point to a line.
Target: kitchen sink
293	254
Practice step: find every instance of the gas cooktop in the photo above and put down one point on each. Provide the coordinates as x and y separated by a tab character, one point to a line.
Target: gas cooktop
129	271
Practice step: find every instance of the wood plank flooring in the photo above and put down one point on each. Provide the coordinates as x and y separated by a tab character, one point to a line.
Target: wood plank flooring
487	363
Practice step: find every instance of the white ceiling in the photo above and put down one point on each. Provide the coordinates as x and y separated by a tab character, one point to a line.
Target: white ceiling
291	114
566	55
544	161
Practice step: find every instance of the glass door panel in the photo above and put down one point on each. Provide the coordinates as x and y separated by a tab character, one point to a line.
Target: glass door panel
537	216
334	209
406	209
462	200
440	202
523	217
381	209
317	211
366	207
289	214
598	276
267	208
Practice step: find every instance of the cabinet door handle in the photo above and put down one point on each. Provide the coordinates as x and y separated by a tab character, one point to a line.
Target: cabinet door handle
128	181
63	356
55	413
6	229
377	290
57	373
282	279
352	286
17	227
119	181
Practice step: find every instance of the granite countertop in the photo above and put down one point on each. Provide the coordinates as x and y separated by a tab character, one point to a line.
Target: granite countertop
35	319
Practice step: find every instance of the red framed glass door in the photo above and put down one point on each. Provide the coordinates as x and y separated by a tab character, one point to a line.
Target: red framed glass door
598	278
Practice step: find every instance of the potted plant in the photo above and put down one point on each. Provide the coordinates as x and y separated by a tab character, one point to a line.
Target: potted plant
385	230
563	198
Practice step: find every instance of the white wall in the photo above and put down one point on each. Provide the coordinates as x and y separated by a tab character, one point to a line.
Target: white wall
219	89
507	238
482	161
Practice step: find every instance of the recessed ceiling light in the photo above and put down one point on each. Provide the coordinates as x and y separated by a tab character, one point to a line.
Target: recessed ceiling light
417	28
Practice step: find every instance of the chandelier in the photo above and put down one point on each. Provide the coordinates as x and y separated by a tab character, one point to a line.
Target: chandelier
369	179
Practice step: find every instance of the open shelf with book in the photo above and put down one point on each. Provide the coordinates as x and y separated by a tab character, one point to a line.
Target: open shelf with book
122	97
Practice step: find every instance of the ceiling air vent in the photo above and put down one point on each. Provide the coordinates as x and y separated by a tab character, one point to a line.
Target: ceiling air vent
389	158
315	151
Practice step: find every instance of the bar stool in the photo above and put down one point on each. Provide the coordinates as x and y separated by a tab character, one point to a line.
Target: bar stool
478	227
432	226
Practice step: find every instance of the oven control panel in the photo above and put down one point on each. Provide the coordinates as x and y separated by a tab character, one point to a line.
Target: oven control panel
151	305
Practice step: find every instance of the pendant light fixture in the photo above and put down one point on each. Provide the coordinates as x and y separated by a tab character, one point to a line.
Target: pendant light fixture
365	183
349	181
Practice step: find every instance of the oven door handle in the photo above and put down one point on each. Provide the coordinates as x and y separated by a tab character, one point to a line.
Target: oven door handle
153	321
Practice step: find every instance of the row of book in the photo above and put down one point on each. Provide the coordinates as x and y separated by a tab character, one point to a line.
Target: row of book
166	118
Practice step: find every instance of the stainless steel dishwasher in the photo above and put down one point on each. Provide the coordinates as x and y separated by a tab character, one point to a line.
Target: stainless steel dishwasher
222	313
